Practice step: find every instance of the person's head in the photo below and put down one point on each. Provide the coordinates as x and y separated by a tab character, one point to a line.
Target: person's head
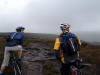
65	27
20	29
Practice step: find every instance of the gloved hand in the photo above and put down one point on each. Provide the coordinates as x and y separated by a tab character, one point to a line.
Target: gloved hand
19	58
58	58
57	55
1	73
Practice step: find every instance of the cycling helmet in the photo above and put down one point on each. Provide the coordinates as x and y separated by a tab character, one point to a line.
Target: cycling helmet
19	28
65	26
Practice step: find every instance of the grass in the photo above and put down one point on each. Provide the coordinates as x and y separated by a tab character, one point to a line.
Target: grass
33	40
49	69
90	54
8	70
2	41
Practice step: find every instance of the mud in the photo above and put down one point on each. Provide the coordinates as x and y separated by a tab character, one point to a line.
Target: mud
33	58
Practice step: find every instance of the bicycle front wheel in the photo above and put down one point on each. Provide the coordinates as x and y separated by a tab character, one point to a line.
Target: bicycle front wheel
17	69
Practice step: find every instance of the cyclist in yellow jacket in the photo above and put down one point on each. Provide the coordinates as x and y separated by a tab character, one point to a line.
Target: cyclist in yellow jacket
66	48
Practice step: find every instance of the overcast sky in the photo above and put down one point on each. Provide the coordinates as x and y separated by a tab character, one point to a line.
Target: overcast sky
45	16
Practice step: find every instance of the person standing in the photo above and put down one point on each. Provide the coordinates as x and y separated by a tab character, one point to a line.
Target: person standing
66	48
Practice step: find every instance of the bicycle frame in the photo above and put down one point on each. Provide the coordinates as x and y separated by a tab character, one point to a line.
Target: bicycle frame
73	70
15	64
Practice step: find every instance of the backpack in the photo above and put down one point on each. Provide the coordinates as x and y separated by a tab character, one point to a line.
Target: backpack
11	40
11	36
69	44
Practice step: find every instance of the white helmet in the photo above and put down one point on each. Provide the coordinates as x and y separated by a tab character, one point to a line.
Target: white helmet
65	26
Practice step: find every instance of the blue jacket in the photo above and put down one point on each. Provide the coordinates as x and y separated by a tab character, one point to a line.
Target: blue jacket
61	52
14	39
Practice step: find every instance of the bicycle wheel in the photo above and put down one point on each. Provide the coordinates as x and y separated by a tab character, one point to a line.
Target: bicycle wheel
73	71
16	65
17	69
70	73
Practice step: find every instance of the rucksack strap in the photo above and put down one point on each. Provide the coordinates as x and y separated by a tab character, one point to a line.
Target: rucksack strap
12	37
72	44
68	40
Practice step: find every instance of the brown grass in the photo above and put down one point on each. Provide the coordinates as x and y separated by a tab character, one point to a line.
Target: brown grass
89	53
49	69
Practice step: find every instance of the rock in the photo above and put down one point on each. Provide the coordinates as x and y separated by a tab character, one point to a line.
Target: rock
33	58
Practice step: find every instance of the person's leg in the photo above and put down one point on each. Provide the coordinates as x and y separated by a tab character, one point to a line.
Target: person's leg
68	69
20	52
65	69
2	68
18	49
19	55
5	60
63	72
7	55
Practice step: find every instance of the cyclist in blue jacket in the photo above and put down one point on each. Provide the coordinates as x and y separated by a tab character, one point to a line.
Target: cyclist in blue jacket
14	43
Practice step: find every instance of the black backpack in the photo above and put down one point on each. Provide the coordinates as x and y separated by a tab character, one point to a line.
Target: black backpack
69	44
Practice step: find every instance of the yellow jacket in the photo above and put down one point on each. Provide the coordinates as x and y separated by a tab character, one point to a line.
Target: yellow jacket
57	46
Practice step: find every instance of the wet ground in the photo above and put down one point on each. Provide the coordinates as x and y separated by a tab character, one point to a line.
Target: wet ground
34	57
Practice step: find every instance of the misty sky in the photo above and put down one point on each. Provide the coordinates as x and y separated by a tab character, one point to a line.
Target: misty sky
45	16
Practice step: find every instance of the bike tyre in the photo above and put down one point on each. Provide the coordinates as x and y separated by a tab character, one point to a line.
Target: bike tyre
17	70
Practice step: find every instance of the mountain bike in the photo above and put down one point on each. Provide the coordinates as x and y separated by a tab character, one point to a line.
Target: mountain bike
15	64
77	66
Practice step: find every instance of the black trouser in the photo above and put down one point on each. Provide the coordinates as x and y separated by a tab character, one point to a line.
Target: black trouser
65	69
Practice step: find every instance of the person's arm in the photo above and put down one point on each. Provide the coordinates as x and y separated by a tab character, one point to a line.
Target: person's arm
56	48
8	37
79	45
79	41
22	40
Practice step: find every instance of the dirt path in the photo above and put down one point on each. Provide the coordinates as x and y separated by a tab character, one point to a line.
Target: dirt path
33	58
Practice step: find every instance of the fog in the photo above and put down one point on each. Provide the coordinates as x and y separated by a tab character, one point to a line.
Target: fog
45	16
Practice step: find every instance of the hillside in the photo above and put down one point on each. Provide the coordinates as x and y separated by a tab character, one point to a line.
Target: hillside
38	57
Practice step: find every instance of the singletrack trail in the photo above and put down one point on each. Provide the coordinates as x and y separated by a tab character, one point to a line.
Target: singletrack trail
34	57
